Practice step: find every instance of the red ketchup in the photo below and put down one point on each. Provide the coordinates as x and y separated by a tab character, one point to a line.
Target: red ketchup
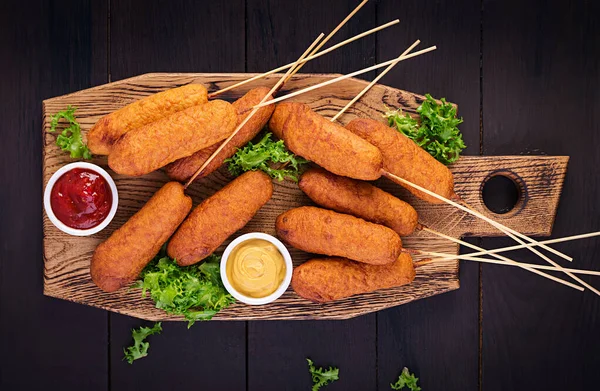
81	198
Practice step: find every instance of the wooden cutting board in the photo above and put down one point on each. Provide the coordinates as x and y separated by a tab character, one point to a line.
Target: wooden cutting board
67	258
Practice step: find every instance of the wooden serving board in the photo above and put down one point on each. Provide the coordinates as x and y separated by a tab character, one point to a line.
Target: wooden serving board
67	258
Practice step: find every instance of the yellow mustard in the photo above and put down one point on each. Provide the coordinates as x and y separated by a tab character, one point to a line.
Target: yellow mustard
255	268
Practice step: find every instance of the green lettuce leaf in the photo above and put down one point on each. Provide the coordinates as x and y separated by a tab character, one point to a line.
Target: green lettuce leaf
406	379
196	291
70	139
322	377
437	131
139	349
271	157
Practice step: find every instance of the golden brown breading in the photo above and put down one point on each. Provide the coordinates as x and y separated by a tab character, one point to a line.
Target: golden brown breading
111	127
326	279
183	169
404	158
328	144
282	113
360	199
119	259
219	216
322	231
159	143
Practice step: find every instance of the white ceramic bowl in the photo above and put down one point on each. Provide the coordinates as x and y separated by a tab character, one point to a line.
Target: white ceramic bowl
288	269
74	231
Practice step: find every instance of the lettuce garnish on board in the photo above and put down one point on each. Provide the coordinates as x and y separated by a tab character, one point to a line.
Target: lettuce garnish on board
195	291
70	139
269	156
437	131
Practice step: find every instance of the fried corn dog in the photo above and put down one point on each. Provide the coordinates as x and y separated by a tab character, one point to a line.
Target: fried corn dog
322	231
119	259
219	216
159	143
111	127
328	144
404	158
326	279
360	199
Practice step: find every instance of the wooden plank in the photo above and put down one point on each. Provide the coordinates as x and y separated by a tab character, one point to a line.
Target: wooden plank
177	36
278	32
290	26
541	55
46	49
67	257
210	354
277	353
438	338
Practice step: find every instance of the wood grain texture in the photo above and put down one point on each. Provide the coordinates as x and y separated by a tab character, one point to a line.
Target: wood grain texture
543	55
437	338
67	258
46	49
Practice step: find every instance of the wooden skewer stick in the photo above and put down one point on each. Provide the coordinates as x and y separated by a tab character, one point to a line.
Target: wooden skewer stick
495	224
321	53
327	38
371	84
549	241
254	110
423	262
515	235
468	257
343	77
502	259
509	232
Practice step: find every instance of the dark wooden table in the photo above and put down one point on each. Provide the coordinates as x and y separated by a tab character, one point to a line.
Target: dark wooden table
526	77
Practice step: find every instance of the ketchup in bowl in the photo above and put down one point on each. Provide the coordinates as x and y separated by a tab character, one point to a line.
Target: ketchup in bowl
81	198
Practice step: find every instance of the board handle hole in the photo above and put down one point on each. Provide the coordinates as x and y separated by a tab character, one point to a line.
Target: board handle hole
501	192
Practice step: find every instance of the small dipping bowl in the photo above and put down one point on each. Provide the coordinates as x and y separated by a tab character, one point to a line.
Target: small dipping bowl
282	287
76	231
